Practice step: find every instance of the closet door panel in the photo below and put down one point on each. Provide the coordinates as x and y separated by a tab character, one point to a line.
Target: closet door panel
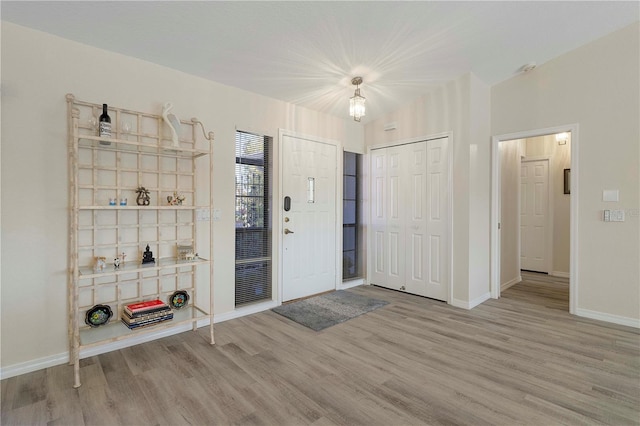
415	218
378	216
396	184
437	220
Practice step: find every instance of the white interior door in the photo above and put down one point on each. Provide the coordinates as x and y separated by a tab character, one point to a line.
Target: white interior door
396	208
415	217
534	211
438	216
409	218
378	216
309	226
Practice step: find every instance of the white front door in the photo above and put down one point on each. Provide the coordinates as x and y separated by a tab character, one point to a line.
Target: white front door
309	224
534	205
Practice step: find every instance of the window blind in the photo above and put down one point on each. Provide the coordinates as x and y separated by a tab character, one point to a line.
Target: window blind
253	218
350	224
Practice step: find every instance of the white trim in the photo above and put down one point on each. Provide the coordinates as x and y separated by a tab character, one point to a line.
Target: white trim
62	358
33	365
277	224
559	274
441	135
245	310
351	283
472	303
601	316
495	214
511	283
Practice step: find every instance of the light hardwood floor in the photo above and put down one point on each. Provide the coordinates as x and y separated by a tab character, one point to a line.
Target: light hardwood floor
521	359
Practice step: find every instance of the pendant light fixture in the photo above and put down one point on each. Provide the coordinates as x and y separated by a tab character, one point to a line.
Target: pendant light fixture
356	102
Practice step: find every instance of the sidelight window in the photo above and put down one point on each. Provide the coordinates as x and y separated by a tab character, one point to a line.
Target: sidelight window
253	218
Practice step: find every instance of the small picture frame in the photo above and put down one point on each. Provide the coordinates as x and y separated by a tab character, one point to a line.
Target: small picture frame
567	181
185	252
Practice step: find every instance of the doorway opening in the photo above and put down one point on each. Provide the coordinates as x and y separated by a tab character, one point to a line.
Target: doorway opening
534	205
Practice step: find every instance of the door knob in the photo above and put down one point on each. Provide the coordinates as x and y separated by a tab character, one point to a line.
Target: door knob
287	231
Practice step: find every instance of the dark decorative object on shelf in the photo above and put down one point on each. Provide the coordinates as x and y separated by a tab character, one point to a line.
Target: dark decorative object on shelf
179	299
147	256
143	196
98	315
567	181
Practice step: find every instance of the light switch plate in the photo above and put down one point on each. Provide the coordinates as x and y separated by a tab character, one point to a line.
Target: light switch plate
203	215
611	195
617	215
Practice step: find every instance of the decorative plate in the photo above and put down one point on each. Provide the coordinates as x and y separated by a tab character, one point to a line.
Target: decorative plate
98	315
179	299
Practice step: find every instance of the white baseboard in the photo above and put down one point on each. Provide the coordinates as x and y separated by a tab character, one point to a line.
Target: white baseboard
62	358
350	283
616	319
33	365
244	311
472	303
511	283
559	274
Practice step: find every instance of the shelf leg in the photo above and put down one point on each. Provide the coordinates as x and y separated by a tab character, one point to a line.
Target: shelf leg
75	359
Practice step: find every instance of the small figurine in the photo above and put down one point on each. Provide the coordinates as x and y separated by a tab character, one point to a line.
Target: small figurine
116	263
143	196
175	199
122	256
147	256
100	263
173	122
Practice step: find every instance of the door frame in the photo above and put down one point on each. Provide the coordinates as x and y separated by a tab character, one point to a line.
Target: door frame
573	215
367	205
277	212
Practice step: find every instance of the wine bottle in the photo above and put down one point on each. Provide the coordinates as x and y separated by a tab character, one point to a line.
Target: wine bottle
105	123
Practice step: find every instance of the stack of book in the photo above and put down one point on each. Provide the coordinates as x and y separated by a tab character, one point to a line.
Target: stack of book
146	313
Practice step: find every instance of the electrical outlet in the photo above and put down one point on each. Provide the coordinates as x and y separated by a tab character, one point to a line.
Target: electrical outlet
607	216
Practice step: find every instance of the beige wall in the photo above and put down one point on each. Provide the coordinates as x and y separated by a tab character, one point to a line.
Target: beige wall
597	87
37	71
461	107
510	153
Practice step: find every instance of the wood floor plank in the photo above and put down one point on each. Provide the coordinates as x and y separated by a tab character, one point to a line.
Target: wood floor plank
518	360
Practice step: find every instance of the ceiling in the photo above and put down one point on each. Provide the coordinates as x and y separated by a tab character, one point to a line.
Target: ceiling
306	52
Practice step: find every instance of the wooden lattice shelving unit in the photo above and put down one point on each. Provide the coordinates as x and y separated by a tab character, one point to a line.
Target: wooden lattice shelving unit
140	153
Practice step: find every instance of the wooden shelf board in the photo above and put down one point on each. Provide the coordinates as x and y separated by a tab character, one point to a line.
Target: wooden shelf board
129	267
122	145
115	330
118	207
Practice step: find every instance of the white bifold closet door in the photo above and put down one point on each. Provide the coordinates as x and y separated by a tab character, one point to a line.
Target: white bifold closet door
409	218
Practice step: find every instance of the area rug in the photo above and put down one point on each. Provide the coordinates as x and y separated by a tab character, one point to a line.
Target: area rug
326	310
